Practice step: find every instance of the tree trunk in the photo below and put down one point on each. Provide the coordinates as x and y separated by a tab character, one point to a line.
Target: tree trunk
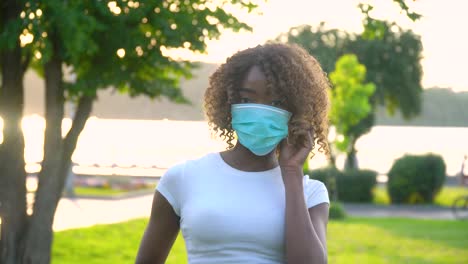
351	162
331	156
80	117
69	189
38	239
12	172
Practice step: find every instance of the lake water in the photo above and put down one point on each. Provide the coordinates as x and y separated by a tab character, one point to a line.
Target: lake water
148	147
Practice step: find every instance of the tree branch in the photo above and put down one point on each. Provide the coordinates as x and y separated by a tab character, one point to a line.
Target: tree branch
85	105
25	62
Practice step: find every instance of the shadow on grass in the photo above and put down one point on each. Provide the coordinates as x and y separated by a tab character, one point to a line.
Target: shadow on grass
397	240
452	233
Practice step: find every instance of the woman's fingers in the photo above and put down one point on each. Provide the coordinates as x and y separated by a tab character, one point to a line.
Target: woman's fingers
301	151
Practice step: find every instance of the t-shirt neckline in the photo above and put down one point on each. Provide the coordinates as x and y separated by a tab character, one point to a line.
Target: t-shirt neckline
224	165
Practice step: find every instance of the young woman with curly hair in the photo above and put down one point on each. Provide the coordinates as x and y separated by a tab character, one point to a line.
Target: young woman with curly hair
251	203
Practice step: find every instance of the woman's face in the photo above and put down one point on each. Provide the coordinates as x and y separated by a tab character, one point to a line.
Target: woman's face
254	89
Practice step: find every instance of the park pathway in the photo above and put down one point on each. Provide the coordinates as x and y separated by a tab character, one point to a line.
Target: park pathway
79	212
409	211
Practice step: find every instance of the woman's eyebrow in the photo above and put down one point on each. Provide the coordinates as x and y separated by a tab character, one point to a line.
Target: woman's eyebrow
247	90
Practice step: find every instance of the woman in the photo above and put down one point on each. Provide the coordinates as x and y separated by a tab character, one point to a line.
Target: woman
251	203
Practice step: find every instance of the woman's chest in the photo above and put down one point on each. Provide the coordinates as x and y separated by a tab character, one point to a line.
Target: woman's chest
230	212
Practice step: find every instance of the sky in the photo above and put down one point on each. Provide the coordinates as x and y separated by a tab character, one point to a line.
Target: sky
441	29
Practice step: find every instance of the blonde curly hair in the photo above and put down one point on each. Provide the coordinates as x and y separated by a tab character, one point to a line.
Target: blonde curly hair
291	73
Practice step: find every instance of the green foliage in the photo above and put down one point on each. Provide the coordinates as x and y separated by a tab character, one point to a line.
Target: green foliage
336	211
416	179
349	98
100	44
393	65
9	33
356	185
325	45
404	7
327	176
119	43
348	185
374	28
392	62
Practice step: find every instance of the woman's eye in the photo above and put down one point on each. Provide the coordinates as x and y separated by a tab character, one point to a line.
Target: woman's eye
277	103
244	100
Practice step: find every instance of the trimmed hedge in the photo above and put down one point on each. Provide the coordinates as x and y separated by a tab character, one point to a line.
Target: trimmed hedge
327	176
348	186
416	179
357	186
336	211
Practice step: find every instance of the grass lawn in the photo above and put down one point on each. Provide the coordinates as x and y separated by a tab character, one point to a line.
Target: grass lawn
444	198
97	191
354	240
94	191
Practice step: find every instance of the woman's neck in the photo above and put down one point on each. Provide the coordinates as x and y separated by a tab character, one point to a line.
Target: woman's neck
243	159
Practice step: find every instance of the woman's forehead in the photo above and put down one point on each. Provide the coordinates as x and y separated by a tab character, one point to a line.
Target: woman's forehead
255	74
255	82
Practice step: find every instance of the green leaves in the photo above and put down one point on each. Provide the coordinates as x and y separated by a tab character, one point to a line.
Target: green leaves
404	7
132	45
392	62
327	45
119	43
349	97
9	33
374	28
416	178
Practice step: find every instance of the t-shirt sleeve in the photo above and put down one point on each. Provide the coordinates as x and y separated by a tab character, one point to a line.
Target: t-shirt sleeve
171	186
315	192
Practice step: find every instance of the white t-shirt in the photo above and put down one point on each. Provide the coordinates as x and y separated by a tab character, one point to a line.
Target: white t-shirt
231	216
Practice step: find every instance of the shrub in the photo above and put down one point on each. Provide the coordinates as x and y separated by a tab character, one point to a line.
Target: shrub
328	176
356	185
336	211
416	179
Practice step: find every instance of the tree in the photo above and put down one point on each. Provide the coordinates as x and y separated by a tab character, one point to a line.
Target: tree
392	61
325	45
349	103
12	172
393	65
117	43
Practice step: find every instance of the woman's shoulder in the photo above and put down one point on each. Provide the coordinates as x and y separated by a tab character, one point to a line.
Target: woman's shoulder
313	184
315	192
199	162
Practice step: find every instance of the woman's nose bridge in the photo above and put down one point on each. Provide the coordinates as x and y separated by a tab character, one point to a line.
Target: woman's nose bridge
265	97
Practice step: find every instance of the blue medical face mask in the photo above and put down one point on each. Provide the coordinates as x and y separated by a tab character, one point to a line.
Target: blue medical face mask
259	128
